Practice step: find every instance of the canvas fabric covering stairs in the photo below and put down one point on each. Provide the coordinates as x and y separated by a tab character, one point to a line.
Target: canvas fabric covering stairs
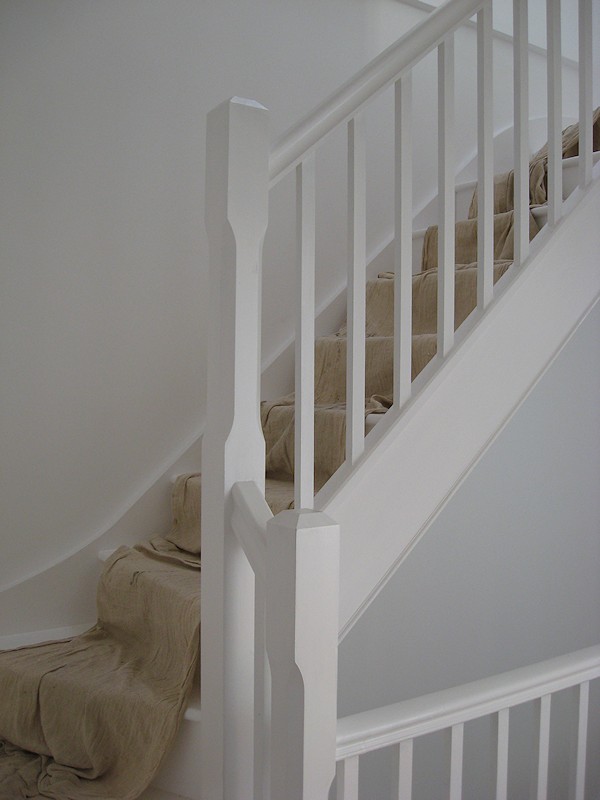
330	351
94	715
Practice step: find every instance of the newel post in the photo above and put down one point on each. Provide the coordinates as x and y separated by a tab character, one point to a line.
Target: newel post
302	635
233	449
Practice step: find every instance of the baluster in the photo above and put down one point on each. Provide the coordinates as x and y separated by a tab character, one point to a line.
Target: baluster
579	742
357	250
585	92
262	696
456	761
403	241
346	779
541	748
446	228
403	770
554	112
302	631
304	431
501	735
521	106
485	157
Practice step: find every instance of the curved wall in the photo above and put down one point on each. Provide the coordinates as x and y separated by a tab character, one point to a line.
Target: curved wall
103	257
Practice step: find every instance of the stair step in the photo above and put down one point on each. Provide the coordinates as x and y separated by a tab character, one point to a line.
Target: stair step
14	640
192	712
154	793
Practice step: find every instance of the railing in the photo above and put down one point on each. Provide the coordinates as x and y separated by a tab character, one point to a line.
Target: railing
397	726
272	582
346	108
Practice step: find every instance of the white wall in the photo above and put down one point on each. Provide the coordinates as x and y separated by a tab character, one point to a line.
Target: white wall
103	257
508	574
103	260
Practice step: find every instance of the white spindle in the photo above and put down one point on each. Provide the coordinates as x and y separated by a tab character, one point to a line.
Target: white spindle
456	760
501	722
402	771
579	742
302	630
541	747
521	111
262	696
585	91
554	111
233	446
346	779
485	167
356	313
304	436
446	228
403	241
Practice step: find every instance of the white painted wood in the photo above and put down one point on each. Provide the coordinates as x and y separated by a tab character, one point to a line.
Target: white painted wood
563	271
542	707
302	615
501	736
357	278
521	130
579	741
402	771
585	91
346	779
304	435
451	708
262	695
403	246
233	446
554	111
446	197
384	70
485	166
249	516
456	741
249	520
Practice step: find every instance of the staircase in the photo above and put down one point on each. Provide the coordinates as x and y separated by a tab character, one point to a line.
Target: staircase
278	579
411	460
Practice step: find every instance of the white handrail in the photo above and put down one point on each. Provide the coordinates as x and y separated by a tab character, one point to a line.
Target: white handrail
249	521
376	76
380	727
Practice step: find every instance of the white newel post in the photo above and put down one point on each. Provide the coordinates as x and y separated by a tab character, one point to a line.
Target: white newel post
302	635
233	445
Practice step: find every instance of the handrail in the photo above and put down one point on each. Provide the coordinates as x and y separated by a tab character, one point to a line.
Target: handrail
381	727
376	76
249	521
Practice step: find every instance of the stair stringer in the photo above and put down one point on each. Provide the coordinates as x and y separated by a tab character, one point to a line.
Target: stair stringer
420	457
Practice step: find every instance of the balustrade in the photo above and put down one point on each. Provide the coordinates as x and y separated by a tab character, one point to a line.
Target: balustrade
398	726
270	584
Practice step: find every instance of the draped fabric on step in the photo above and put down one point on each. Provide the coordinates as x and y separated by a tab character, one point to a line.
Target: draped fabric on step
93	716
330	351
504	183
